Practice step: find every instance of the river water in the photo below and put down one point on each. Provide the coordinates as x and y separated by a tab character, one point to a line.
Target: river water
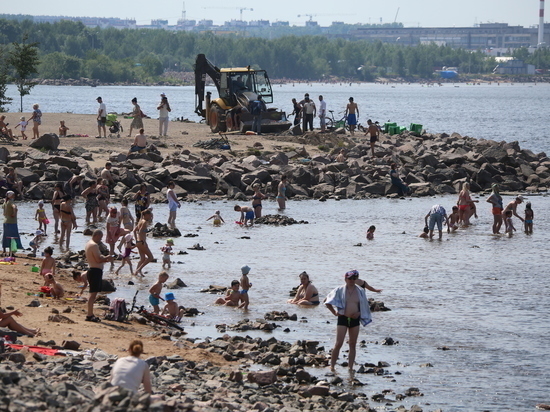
486	298
491	111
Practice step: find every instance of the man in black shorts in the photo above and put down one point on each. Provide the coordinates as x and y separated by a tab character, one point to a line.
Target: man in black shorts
349	303
95	272
374	132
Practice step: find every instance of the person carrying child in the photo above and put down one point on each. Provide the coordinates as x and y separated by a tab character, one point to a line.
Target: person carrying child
245	285
40	215
156	289
62	129
167	253
35	242
171	308
232	297
529	216
129	244
48	263
23	123
247	214
217	218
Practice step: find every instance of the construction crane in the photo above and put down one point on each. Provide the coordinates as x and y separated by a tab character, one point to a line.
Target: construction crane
241	9
396	14
307	15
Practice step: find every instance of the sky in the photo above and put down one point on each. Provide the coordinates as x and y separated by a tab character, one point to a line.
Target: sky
412	13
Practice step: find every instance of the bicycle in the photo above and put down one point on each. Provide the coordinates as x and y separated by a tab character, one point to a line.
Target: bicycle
332	124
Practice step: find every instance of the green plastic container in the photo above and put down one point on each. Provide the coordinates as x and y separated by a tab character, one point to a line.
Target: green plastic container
416	128
387	127
393	130
35	269
402	129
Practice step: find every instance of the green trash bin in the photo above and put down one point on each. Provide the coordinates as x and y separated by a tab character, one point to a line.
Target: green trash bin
402	129
416	128
393	130
387	127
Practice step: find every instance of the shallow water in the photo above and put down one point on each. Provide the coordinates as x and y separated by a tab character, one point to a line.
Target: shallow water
484	297
500	112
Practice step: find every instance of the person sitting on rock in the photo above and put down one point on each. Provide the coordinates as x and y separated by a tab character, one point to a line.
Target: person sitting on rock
5	129
171	308
232	297
130	372
140	142
247	214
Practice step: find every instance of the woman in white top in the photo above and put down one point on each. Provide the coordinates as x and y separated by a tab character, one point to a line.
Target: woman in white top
130	372
173	203
164	109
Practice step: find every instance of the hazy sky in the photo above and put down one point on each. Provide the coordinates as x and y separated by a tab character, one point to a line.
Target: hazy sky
428	13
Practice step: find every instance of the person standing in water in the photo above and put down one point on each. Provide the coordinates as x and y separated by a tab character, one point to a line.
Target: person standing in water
281	193
495	199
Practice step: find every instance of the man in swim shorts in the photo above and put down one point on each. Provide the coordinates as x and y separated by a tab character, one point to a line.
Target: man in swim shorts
436	214
349	303
373	131
247	214
352	114
95	272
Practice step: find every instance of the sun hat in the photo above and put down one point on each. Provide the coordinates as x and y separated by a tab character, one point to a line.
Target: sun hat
351	274
170	240
128	237
169	296
245	269
10	193
39	233
40	203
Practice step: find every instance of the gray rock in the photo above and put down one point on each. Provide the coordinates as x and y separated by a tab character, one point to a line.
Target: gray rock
27	176
4	154
196	184
71	163
46	141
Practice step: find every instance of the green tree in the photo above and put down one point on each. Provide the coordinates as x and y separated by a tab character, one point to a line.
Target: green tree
24	59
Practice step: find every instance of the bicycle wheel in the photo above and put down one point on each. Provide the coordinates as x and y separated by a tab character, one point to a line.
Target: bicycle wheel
329	124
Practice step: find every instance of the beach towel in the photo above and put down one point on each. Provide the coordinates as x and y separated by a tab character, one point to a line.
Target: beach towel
337	298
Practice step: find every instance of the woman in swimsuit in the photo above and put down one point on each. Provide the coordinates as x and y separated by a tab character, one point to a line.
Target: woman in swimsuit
140	233
91	202
48	264
142	200
57	198
281	193
464	202
498	206
113	229
68	221
37	120
103	197
126	215
257	200
306	294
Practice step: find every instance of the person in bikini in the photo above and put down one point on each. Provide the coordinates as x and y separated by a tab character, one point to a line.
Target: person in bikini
281	193
307	294
529	216
40	215
48	263
257	200
57	198
68	221
218	219
350	305
140	233
128	241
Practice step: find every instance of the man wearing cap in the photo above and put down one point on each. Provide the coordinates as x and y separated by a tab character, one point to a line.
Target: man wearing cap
101	117
512	206
350	304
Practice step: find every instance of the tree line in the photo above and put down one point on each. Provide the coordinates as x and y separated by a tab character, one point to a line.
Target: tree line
71	50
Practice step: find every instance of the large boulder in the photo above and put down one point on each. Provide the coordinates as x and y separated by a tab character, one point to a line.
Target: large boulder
233	178
41	190
259	174
49	141
4	154
196	184
139	163
65	161
64	174
495	153
37	155
27	176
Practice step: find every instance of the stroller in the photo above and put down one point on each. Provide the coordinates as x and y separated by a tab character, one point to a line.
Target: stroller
114	125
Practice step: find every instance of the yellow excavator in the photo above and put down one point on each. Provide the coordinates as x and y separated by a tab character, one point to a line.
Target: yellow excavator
237	88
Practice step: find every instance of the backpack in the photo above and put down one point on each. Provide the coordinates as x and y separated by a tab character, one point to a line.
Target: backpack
117	311
255	108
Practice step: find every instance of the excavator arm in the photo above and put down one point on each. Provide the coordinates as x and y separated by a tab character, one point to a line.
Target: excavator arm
202	68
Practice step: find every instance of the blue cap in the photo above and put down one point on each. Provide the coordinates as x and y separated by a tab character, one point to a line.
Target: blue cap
169	296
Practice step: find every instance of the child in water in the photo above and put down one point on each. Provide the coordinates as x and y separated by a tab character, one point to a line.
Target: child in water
127	255
172	309
529	216
246	285
217	218
36	241
62	129
232	297
167	252
370	232
425	233
156	289
40	215
453	219
510	229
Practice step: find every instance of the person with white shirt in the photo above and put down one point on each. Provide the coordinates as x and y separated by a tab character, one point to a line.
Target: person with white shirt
131	371
164	109
322	113
101	118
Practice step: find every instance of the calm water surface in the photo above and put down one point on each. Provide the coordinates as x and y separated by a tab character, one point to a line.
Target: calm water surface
484	297
501	112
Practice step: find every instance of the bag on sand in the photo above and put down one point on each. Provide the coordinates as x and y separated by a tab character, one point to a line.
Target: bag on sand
13	245
117	311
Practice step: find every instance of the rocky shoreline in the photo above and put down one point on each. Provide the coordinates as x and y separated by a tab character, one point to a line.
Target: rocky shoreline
429	163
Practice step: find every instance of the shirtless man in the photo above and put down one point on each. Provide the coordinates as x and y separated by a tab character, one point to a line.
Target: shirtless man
512	206
349	303
232	297
107	175
95	272
352	113
140	142
374	132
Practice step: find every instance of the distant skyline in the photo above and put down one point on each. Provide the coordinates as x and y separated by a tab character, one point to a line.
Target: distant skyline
412	13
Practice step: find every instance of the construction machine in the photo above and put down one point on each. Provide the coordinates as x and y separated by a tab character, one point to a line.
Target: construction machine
237	88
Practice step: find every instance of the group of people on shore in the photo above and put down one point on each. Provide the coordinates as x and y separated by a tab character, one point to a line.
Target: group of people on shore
35	119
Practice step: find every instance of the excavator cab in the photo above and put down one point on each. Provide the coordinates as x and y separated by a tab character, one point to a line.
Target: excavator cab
249	83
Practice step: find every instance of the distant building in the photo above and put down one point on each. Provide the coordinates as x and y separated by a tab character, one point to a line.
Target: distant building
280	24
259	23
515	67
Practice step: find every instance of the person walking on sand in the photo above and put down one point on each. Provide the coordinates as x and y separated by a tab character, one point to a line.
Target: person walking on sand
436	215
137	123
495	199
281	193
164	110
140	233
36	118
352	114
101	118
350	304
23	124
131	371
95	272
173	203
